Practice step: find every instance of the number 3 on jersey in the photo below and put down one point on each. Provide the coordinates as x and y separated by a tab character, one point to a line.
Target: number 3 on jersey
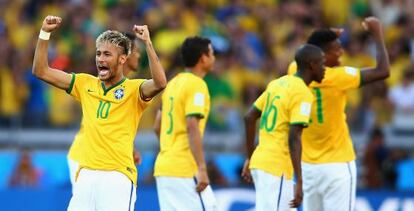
170	117
269	113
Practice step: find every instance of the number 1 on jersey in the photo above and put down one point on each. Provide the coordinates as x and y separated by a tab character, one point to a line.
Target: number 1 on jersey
319	111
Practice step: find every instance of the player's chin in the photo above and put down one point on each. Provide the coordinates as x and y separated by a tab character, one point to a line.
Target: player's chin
104	78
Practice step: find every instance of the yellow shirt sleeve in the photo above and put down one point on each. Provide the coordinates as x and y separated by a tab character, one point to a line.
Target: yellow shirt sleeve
347	77
292	68
196	100
300	107
259	104
143	103
76	85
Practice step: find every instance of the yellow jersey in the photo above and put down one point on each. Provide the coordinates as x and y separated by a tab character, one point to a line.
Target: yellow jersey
286	101
185	95
109	124
327	139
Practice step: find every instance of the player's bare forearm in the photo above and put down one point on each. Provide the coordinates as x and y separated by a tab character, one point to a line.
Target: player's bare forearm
382	69
41	67
157	124
196	146
159	81
250	127
295	148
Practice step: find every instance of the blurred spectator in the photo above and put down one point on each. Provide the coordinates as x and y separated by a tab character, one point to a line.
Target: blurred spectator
375	155
25	174
402	99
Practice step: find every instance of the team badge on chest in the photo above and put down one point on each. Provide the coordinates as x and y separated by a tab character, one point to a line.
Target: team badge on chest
119	93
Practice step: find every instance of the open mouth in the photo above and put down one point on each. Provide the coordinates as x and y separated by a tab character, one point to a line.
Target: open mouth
103	70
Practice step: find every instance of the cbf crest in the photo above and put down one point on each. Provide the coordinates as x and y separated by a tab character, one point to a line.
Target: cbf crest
119	93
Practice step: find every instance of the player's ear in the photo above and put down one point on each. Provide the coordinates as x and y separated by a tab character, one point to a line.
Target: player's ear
122	59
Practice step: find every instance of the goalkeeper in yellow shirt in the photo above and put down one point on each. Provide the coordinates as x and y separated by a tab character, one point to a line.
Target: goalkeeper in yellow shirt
328	168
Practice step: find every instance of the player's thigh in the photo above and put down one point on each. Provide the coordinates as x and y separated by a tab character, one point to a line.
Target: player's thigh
162	192
179	194
208	199
312	180
83	198
73	168
340	195
270	191
115	191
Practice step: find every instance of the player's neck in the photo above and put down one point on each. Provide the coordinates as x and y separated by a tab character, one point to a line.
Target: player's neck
114	81
305	77
197	71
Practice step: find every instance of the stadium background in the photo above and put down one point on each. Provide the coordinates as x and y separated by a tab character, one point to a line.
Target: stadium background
254	41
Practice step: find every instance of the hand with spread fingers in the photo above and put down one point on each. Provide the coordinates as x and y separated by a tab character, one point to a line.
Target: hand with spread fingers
50	23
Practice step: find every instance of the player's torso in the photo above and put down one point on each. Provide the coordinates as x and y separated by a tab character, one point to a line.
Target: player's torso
327	138
174	142
272	152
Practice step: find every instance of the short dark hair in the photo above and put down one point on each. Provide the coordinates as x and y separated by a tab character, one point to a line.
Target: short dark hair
306	54
131	37
116	38
192	49
322	38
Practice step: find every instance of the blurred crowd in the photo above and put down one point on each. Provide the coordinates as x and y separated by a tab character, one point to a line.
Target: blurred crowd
254	42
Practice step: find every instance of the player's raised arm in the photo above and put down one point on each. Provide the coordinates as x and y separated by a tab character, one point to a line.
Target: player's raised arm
158	82
295	148
250	126
382	70
41	67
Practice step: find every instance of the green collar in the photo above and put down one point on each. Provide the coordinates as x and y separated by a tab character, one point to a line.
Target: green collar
111	87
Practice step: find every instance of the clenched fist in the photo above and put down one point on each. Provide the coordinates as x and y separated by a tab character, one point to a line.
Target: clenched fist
142	33
51	23
373	25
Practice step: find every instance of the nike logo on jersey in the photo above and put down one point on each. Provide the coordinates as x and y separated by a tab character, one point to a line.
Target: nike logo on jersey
90	90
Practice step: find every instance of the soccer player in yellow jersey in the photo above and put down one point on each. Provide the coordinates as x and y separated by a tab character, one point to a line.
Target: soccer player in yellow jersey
111	106
329	170
284	110
75	153
180	169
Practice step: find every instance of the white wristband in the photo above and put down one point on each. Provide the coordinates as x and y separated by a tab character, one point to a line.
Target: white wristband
44	35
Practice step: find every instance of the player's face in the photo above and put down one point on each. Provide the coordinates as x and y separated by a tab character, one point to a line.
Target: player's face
109	61
209	59
133	58
332	54
319	69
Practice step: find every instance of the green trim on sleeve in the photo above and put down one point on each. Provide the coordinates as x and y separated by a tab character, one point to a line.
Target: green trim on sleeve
140	93
299	123
199	115
361	79
72	82
255	107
